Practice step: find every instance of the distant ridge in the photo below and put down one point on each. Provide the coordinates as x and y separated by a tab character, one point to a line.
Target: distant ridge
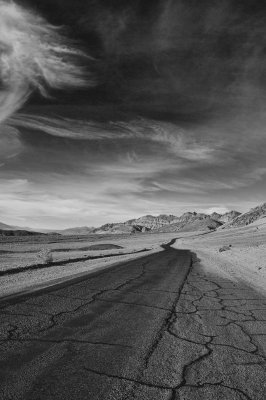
227	217
6	227
189	221
247	218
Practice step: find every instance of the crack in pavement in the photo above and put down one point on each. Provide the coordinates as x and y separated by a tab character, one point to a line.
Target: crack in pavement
166	323
11	331
210	345
192	363
221	384
217	317
135	381
134	304
53	317
172	318
93	299
74	341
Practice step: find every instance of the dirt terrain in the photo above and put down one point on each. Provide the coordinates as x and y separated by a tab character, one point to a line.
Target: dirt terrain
169	324
32	263
245	258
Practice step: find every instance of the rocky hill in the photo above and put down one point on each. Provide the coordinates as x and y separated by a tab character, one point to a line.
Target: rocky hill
192	222
152	223
189	221
247	218
119	229
224	218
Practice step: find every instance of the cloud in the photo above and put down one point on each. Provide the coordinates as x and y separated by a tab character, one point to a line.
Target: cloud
34	55
177	122
179	142
218	210
10	144
181	59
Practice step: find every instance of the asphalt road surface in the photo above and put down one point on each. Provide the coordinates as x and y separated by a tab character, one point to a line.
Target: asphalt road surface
149	329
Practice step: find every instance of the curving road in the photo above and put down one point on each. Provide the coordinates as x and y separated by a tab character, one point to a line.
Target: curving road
149	329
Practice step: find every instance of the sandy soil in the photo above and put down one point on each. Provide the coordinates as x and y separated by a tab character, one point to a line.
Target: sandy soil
246	259
24	254
159	327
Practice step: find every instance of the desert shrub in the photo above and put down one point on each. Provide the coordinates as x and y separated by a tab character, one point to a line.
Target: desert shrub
45	256
225	248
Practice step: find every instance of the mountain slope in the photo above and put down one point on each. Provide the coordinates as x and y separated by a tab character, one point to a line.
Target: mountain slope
5	227
194	222
227	217
152	223
119	229
247	218
189	221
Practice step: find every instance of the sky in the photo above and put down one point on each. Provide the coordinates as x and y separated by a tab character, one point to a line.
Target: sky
110	110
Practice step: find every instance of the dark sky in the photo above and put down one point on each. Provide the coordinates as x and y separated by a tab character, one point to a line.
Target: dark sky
174	58
172	117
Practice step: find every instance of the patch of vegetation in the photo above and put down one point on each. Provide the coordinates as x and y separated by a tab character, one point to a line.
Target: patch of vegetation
225	248
45	256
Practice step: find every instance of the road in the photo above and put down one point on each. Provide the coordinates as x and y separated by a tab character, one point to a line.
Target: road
149	329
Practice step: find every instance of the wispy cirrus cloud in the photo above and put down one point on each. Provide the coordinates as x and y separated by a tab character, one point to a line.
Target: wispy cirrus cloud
177	141
177	124
10	144
34	55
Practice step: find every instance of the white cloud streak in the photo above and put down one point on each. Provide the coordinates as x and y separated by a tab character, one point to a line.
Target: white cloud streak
10	144
178	142
34	55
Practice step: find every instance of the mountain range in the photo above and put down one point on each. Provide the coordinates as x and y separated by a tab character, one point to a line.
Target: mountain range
189	221
247	218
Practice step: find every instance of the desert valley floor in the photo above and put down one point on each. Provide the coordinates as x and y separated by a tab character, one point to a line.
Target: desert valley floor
144	316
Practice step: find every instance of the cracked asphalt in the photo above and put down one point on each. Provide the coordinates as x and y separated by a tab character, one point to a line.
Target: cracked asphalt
159	327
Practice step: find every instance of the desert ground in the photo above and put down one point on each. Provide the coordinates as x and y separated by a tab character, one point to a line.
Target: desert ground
42	261
244	261
145	316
